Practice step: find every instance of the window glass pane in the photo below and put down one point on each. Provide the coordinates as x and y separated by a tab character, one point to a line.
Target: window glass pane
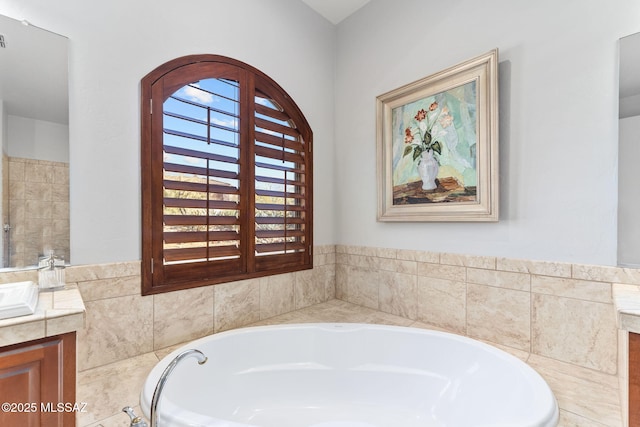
201	157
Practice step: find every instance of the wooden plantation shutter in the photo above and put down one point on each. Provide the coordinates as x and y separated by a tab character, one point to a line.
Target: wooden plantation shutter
226	176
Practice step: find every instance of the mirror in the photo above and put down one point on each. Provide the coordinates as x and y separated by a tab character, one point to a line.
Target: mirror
629	153
34	131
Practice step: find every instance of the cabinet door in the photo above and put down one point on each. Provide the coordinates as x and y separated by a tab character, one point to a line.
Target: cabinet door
634	379
35	378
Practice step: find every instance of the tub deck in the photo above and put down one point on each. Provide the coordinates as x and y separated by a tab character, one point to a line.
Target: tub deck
586	398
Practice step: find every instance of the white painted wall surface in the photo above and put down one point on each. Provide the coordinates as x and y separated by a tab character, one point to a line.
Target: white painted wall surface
629	192
558	120
113	44
558	131
37	139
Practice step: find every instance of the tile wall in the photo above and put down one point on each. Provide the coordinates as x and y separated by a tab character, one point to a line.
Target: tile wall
557	310
554	311
120	323
38	210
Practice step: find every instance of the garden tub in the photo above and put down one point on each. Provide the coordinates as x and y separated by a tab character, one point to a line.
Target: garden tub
349	375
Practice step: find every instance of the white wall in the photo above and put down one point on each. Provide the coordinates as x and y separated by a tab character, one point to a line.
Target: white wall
37	139
558	119
113	44
558	132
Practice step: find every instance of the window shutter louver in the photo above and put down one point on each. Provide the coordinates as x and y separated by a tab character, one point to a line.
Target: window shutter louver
226	176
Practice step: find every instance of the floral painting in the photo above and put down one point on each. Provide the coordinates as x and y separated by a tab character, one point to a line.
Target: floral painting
437	145
434	148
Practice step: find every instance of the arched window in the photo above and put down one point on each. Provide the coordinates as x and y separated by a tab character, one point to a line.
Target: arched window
226	176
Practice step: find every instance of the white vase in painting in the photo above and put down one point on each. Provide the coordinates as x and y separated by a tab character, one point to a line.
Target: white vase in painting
428	169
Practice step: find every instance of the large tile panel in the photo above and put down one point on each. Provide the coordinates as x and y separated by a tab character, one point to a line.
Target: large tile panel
575	331
499	315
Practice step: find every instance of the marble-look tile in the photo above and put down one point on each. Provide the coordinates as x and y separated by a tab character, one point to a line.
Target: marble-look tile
608	381
323	286
22	332
236	304
442	303
68	298
431	327
439	271
109	388
500	279
397	294
572	288
362	286
307	290
419	256
19	276
276	295
582	396
569	419
83	273
386	253
63	324
601	273
475	261
626	299
364	261
499	315
580	332
93	290
342	281
336	311
398	266
324	259
115	329
182	316
327	275
164	352
542	268
324	249
342	258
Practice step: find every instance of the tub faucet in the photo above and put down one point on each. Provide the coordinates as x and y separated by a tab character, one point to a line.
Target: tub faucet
202	359
137	421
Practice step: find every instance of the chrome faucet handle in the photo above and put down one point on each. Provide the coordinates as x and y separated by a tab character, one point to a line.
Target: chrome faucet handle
136	421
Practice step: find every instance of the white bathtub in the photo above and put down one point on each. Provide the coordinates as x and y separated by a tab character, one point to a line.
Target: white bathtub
349	375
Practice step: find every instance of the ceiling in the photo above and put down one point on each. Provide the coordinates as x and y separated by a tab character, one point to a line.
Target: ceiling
335	10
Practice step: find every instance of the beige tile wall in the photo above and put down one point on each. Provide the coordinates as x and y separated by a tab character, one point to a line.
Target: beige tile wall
557	310
38	210
120	323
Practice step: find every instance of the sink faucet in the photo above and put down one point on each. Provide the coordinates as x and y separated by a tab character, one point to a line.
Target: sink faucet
138	421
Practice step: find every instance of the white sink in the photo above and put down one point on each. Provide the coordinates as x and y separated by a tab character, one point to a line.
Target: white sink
18	299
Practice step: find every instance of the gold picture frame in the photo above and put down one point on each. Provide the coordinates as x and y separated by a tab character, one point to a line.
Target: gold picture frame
437	146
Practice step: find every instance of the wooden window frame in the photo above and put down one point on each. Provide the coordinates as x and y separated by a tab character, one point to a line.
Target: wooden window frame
156	87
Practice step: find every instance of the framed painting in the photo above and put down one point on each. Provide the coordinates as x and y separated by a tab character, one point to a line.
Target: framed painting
437	146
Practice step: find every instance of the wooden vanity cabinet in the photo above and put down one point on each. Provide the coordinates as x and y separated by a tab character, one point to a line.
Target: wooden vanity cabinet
38	382
634	379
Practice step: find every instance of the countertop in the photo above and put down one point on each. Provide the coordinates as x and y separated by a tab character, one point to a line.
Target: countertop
626	299
57	312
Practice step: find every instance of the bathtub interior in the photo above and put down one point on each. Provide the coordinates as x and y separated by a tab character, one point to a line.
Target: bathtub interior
346	375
